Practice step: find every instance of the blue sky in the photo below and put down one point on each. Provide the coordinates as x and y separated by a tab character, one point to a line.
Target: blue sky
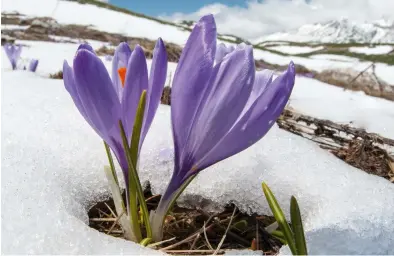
158	7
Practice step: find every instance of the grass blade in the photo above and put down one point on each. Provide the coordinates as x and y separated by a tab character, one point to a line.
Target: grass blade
280	236
280	218
296	221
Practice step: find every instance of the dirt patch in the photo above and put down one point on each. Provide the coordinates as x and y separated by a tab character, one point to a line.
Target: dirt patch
350	79
366	151
300	70
166	96
184	229
41	29
173	51
57	75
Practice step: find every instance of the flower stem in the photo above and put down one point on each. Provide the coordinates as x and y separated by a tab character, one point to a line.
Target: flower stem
167	201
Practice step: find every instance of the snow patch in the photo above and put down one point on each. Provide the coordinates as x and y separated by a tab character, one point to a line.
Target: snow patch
379	49
55	173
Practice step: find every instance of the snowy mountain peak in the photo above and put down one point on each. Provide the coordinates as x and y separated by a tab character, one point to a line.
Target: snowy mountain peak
340	31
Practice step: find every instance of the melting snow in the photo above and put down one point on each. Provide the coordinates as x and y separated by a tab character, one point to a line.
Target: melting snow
54	173
379	49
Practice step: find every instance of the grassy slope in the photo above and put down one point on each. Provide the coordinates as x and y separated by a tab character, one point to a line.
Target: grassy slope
330	48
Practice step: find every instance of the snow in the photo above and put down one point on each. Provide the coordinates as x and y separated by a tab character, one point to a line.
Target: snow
291	49
55	173
12	27
379	49
67	12
318	99
338	31
334	57
49	179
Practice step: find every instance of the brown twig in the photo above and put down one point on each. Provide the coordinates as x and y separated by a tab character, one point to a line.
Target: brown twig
206	237
115	222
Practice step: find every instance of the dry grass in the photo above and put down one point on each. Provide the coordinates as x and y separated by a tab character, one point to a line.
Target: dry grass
193	231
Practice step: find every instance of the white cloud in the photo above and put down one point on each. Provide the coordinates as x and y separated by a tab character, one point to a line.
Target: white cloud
268	16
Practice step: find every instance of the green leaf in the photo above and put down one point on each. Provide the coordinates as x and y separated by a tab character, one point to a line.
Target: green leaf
132	156
280	218
119	205
280	236
145	241
139	119
111	162
134	152
296	221
133	210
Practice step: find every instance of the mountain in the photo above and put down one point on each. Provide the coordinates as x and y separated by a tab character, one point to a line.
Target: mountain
339	31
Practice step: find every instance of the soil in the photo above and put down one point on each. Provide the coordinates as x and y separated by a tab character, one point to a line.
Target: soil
184	229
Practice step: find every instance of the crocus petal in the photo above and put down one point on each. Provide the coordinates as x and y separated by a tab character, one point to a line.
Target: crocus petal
13	53
86	47
257	121
33	65
230	88
96	93
120	60
262	79
221	51
17	51
157	79
71	87
136	81
191	78
9	50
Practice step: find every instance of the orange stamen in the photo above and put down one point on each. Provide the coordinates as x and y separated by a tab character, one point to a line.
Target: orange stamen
122	75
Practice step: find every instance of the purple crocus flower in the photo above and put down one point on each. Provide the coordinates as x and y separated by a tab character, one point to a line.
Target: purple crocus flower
103	102
33	65
13	53
217	110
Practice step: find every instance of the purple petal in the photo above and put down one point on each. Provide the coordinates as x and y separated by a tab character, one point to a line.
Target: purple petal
135	82
230	88
157	79
191	79
120	60
13	53
257	121
262	79
69	83
86	47
221	51
96	93
33	65
17	51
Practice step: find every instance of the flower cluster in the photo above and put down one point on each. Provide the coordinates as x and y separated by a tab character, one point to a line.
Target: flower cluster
13	52
220	105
